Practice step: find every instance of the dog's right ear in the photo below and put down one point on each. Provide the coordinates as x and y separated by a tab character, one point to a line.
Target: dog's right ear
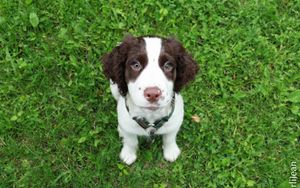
114	64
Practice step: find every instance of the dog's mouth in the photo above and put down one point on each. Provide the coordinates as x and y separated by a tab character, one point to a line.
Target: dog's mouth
152	108
155	106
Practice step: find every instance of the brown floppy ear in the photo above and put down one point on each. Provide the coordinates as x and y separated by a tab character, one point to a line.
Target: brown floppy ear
186	68
114	64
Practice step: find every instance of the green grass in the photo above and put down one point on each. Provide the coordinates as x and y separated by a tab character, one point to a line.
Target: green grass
58	119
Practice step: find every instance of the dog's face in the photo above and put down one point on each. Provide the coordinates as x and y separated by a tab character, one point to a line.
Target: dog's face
149	69
150	75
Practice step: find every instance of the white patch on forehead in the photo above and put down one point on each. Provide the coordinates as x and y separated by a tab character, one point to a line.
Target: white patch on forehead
153	47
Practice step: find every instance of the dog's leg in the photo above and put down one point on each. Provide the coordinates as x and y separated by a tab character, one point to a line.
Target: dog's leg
114	90
130	145
171	150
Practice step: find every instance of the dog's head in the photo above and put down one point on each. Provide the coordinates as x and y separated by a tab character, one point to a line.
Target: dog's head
150	69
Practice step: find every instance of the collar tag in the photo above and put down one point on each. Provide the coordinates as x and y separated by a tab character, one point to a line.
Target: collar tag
151	132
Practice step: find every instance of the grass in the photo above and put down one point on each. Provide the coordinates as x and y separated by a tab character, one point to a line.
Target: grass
58	119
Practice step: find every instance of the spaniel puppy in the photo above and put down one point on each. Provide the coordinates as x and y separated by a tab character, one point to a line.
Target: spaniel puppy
146	75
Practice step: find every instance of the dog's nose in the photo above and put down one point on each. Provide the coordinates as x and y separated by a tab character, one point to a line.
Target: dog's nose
152	94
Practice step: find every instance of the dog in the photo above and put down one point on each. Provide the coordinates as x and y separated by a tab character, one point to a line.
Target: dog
146	75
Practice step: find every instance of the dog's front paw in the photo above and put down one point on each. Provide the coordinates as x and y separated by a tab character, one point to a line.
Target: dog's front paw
171	152
127	156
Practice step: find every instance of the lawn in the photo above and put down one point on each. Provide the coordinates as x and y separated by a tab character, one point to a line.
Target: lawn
58	119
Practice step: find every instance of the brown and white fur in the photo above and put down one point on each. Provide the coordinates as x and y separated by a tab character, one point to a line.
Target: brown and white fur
145	73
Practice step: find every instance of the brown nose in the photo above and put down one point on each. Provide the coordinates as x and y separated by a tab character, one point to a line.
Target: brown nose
152	94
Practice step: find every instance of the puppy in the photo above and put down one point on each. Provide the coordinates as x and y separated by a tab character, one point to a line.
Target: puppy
146	75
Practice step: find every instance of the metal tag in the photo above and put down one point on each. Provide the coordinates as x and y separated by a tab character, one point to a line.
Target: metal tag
151	131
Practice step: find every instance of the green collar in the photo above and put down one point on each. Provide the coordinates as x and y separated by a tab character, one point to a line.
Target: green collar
151	128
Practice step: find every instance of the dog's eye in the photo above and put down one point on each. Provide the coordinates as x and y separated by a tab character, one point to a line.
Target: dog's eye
168	66
135	65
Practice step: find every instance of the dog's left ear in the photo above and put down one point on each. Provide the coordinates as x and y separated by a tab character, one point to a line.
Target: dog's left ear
187	67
